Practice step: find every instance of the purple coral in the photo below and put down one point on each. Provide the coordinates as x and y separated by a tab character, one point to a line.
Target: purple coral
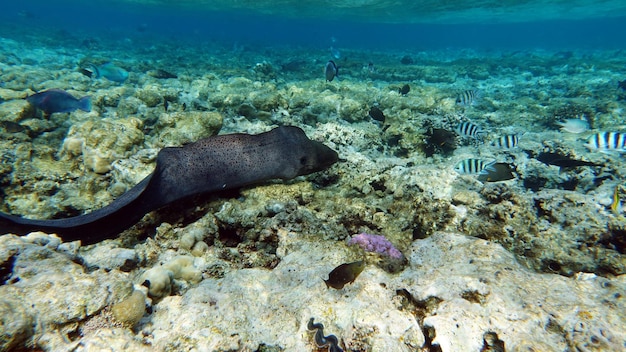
375	243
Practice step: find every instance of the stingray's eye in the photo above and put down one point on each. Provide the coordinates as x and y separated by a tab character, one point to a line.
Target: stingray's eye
303	160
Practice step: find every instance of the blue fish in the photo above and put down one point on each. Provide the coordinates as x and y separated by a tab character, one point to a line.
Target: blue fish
58	100
110	72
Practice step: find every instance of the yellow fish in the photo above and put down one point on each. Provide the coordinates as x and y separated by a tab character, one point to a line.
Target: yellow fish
616	205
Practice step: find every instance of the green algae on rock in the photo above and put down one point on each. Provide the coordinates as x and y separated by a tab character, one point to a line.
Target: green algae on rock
130	311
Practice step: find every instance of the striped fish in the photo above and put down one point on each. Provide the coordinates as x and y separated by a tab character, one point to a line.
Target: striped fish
507	141
471	166
468	129
467	97
607	141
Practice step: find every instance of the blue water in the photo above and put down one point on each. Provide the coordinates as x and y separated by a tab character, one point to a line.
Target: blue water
153	23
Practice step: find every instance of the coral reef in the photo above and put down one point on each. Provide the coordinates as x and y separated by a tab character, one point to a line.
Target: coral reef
536	262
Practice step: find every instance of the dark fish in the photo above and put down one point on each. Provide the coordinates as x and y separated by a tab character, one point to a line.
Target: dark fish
405	89
496	172
439	140
86	72
406	60
377	114
331	70
468	97
58	100
344	274
293	66
621	84
161	74
12	127
166	104
562	161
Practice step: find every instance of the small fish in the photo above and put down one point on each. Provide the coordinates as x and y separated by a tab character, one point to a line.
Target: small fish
110	72
12	127
471	166
616	204
607	141
407	60
376	114
468	97
58	100
507	141
468	129
621	84
344	274
335	53
562	161
439	140
331	71
86	72
496	172
404	90
293	66
26	14
161	74
574	126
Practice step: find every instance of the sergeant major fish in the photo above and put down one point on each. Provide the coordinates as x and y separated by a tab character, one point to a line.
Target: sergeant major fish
467	97
58	100
471	166
607	142
507	141
468	129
